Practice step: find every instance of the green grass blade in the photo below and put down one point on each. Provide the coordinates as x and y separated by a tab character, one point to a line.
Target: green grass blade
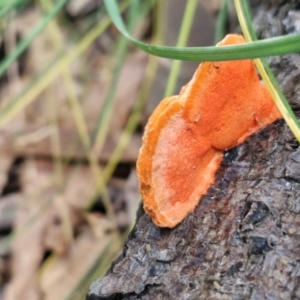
23	45
221	22
135	13
268	47
267	75
151	71
6	7
9	3
187	22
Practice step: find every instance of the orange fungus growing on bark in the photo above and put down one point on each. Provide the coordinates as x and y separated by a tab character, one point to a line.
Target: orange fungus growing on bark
186	136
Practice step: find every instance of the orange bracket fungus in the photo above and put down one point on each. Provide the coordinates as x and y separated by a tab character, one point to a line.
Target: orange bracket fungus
187	134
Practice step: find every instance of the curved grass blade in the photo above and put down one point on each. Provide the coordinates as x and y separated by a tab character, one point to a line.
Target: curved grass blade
268	47
243	12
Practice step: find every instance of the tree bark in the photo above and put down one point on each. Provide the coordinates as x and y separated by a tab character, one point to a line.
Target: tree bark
243	239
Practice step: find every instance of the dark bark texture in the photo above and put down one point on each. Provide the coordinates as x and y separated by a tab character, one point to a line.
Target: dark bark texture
243	239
